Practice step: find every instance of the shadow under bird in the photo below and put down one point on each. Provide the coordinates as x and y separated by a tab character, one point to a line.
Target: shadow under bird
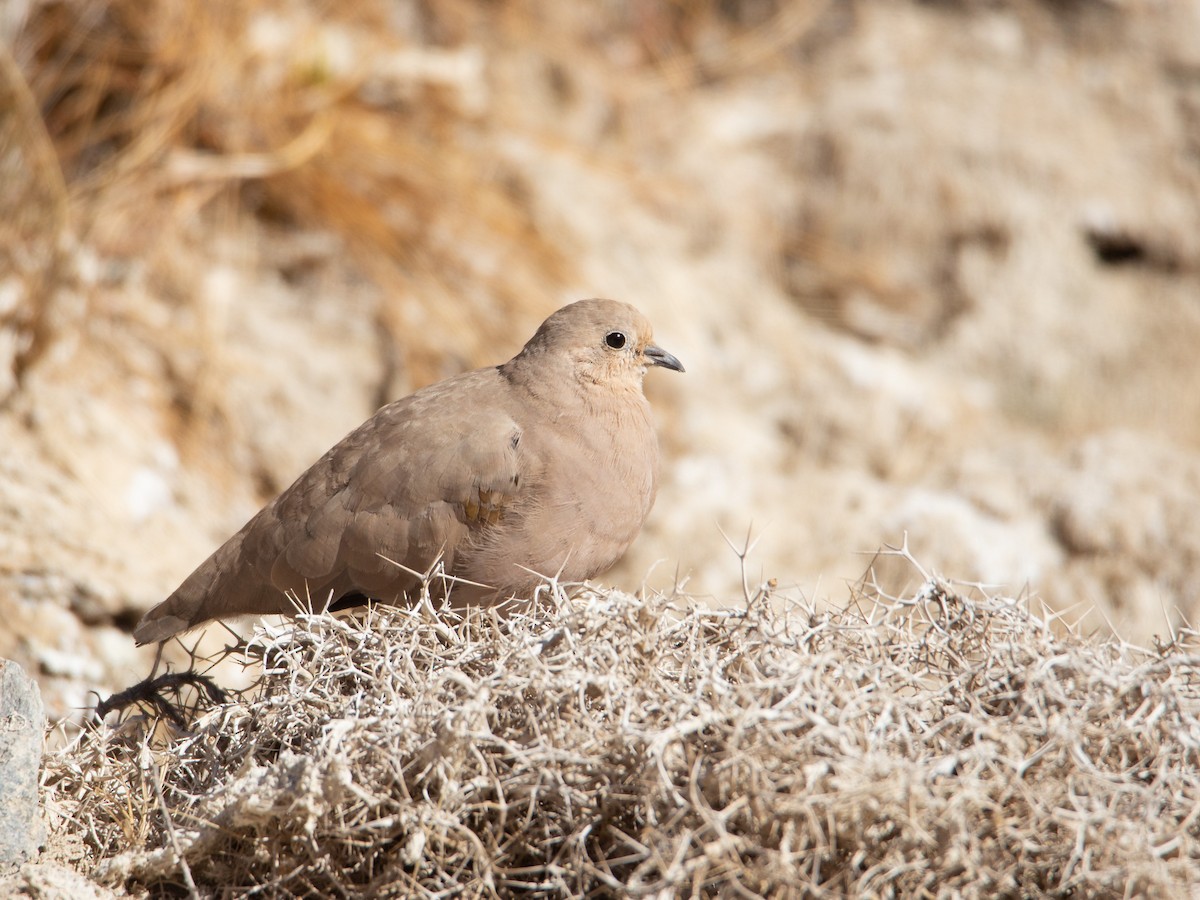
546	465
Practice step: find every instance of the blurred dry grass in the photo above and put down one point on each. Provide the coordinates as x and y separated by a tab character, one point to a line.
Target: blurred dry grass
33	208
945	742
147	116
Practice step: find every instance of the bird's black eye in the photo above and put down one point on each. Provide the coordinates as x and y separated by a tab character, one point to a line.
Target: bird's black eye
615	339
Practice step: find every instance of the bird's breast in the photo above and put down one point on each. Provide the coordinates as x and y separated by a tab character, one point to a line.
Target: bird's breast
603	479
587	485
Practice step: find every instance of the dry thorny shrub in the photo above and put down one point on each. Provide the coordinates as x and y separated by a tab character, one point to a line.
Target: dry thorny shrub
940	743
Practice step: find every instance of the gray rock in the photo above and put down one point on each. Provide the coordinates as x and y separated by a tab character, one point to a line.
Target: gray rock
22	725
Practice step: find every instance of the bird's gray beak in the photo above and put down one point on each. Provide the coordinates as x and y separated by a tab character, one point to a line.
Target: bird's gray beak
660	357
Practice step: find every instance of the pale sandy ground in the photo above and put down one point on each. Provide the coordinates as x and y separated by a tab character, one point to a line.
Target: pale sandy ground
934	269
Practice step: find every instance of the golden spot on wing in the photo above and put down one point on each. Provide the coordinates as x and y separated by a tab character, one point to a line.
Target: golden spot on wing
485	507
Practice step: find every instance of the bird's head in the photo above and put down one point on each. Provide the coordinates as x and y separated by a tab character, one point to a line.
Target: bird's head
602	342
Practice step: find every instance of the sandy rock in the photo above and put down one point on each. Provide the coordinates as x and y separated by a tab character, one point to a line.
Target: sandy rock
52	881
1125	514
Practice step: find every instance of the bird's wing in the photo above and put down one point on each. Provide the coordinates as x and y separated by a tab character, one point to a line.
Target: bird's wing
408	486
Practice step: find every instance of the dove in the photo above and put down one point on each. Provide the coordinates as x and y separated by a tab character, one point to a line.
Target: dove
543	466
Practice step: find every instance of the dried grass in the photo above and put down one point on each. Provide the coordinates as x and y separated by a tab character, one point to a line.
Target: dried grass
947	743
157	122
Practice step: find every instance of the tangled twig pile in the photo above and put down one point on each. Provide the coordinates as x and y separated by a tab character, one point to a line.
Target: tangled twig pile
942	743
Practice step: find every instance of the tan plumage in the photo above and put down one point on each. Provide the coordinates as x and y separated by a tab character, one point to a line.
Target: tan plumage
544	464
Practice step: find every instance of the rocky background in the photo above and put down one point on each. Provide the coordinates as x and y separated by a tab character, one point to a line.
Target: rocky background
933	267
